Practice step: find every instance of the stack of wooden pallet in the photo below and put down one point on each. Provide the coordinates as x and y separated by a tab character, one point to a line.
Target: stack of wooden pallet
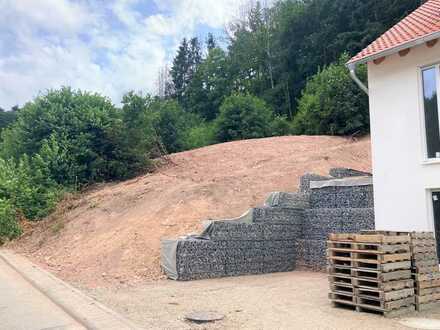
425	270
371	272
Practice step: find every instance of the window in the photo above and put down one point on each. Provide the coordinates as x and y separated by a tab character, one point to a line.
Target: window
430	102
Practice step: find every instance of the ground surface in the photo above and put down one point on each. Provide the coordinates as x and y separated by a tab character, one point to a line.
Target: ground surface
31	298
111	235
295	300
24	307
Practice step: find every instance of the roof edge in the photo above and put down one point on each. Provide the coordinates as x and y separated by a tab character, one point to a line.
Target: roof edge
398	48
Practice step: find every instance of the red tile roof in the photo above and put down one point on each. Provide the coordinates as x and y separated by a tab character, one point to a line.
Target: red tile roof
419	25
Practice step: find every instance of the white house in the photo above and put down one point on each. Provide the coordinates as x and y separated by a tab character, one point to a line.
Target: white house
404	90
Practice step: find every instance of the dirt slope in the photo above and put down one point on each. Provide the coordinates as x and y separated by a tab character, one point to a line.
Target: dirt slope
111	234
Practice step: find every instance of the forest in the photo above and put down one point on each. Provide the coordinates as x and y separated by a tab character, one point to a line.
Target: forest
277	70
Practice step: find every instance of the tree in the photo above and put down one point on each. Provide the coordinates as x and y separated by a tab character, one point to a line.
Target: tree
210	85
172	124
8	117
188	58
210	42
180	69
243	117
332	104
85	130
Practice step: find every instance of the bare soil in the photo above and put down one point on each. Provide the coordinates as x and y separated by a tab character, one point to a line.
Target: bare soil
110	235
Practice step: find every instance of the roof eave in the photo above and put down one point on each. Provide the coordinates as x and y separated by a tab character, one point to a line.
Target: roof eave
394	50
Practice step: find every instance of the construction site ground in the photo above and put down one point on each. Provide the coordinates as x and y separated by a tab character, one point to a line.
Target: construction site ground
110	234
294	300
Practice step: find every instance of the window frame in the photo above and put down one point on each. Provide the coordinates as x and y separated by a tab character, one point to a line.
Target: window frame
426	159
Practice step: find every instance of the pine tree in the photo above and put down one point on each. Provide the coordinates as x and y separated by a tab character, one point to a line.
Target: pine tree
210	42
179	70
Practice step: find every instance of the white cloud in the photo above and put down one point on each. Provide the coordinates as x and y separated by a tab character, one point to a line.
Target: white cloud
109	47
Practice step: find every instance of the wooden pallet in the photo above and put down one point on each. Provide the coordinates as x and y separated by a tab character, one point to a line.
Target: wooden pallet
427	298
427	306
381	276
422	235
423	249
405	310
368	247
339	270
359	264
343	297
428	291
418	257
427	277
383	286
370	237
428	242
382	295
366	256
426	284
381	305
340	279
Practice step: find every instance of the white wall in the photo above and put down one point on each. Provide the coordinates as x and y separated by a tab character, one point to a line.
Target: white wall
402	180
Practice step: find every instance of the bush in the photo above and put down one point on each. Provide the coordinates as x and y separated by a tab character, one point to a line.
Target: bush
27	187
280	126
172	124
81	136
9	227
243	117
200	136
332	104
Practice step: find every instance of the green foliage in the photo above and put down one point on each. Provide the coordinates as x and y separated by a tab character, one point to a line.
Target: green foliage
243	117
9	227
7	117
188	57
26	186
280	126
172	124
209	86
332	104
312	34
201	135
83	134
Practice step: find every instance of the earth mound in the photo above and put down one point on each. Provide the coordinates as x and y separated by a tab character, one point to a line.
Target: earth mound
110	234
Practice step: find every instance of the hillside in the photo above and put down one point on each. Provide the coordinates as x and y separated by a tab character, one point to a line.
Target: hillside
111	234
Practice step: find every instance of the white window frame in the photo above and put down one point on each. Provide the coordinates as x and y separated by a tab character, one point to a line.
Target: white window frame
426	159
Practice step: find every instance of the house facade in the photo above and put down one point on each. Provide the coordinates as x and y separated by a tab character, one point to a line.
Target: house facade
404	92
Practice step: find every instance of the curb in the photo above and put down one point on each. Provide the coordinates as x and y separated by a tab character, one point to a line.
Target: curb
85	310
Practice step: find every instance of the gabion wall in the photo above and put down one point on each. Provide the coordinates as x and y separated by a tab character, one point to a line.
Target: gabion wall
289	231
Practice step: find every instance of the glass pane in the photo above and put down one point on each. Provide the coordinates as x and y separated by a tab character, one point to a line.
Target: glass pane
431	112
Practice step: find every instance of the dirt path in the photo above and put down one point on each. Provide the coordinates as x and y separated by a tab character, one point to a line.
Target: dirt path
295	300
111	235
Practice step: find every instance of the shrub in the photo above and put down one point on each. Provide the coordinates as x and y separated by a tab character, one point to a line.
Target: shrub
200	136
332	104
243	117
172	124
81	136
26	186
280	126
9	227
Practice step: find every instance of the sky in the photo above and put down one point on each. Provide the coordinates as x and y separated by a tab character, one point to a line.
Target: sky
104	46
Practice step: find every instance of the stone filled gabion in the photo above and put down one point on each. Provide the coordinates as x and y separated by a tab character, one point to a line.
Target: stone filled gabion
342	197
291	230
342	172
